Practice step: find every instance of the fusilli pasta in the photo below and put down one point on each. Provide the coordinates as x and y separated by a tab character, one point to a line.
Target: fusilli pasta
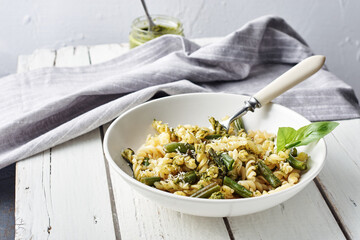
189	160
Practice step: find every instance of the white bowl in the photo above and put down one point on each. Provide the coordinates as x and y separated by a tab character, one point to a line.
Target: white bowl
132	127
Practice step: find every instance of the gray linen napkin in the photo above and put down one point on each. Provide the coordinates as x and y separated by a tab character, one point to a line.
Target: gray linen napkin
46	107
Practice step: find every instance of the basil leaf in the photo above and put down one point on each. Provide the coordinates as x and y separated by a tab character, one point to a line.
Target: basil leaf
284	135
314	132
287	138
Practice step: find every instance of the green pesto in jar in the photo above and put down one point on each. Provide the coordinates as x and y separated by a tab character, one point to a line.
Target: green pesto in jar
164	25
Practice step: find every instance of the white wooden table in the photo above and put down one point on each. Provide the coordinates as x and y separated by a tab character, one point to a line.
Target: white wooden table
69	191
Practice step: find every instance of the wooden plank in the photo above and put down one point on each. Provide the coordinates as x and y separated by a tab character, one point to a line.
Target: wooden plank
80	197
305	216
23	65
32	212
39	59
102	53
42	58
72	56
59	194
30	189
64	194
88	148
340	177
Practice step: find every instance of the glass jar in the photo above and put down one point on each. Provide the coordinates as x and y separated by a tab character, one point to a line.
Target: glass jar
164	25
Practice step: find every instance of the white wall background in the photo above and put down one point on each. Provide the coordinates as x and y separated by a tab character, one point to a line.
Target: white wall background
331	27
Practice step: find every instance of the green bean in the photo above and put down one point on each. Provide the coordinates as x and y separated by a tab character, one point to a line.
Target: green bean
239	189
296	163
203	189
218	128
239	124
227	160
146	162
206	191
127	154
150	180
178	147
190	177
223	161
293	152
213	136
215	157
268	175
218	161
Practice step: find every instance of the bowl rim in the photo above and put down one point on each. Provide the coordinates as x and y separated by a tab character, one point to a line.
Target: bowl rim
202	200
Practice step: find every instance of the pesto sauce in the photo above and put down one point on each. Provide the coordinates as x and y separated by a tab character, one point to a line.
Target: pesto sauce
143	35
162	30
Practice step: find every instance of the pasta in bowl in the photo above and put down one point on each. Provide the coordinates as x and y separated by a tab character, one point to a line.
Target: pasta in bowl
182	167
200	162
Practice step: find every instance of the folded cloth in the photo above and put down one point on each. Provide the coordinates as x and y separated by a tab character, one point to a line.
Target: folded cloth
45	107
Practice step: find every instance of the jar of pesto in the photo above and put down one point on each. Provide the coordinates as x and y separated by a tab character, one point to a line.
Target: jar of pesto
164	25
